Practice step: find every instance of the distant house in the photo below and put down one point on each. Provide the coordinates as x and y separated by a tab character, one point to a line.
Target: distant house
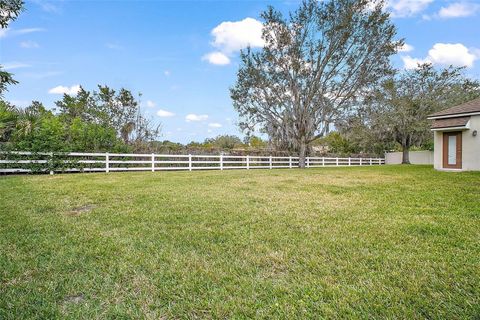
456	140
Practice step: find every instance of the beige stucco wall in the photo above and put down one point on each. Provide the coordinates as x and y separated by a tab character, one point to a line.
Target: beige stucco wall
470	147
416	157
437	149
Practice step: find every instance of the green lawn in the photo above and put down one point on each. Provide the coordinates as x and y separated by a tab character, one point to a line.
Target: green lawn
371	242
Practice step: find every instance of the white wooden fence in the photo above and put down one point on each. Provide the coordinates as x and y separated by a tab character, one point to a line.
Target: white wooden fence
22	162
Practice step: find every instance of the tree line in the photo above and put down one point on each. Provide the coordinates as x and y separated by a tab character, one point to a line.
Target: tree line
323	79
103	120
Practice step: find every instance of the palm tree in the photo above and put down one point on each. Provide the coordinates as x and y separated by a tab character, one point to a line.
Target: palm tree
8	117
127	130
27	119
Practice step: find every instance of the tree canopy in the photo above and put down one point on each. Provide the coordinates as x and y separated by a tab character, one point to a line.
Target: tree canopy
313	64
397	110
9	11
104	120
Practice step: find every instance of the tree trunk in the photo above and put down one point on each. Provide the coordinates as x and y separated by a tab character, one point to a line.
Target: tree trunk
405	156
302	154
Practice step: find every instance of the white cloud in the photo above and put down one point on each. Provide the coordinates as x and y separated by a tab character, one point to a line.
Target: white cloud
15	65
451	53
407	8
214	125
231	36
458	10
405	48
216	58
28	30
165	113
411	63
196	117
29	44
446	54
65	90
151	104
8	31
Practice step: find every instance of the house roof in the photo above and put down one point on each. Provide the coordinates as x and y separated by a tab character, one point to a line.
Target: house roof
468	107
446	123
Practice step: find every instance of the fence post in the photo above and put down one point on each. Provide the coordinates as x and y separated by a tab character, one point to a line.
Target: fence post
270	162
323	161
360	161
51	162
189	162
379	161
337	161
349	161
153	162
370	161
107	164
221	161
290	162
248	162
308	162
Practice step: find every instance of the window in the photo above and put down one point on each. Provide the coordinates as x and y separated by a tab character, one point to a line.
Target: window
452	150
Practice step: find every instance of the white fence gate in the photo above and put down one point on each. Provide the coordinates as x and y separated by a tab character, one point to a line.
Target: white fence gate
24	162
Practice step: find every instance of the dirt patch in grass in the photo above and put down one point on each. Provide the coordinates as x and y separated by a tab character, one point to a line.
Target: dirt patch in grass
81	210
75	299
70	301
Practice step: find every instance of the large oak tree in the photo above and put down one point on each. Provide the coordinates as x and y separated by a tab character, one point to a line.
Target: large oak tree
313	64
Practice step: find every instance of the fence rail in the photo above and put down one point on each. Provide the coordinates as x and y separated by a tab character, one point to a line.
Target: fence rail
25	162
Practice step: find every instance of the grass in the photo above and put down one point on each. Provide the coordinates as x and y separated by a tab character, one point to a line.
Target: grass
370	242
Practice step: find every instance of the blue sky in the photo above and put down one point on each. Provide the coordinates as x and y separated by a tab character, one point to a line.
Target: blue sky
183	55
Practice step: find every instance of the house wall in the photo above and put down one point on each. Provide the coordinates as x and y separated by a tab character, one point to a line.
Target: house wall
416	157
437	149
470	147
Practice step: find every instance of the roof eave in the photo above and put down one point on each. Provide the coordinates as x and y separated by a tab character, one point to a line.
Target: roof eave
454	128
450	128
454	115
